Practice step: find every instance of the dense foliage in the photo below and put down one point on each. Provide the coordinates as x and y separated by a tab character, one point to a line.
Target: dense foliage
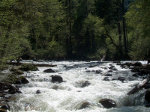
74	29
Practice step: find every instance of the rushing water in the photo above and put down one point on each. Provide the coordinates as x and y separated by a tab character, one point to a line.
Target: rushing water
69	95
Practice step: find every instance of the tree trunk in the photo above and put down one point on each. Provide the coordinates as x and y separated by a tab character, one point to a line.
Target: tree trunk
69	41
120	40
124	32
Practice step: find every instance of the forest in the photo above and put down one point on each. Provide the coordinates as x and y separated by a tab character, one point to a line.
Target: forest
74	30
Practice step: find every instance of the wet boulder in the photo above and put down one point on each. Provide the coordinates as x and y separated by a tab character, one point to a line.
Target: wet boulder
110	71
21	80
122	79
8	88
148	61
147	86
57	78
4	107
15	79
13	90
38	92
16	71
137	64
98	71
108	74
49	71
147	96
108	103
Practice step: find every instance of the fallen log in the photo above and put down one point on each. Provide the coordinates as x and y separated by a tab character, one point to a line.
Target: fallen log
44	65
138	87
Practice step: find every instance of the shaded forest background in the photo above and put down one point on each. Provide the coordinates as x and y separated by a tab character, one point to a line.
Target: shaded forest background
74	29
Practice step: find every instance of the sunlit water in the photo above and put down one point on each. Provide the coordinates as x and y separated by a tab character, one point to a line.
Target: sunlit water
69	96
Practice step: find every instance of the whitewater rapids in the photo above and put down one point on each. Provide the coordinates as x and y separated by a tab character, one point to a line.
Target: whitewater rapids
68	96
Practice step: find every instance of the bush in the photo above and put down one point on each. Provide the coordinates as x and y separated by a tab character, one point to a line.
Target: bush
16	48
55	50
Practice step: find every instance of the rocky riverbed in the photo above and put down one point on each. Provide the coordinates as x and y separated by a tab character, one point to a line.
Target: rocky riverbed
68	86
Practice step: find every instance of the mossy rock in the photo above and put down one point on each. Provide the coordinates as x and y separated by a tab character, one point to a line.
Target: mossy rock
3	67
16	70
14	79
28	67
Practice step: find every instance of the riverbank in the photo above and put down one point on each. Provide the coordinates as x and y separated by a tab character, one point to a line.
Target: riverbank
11	80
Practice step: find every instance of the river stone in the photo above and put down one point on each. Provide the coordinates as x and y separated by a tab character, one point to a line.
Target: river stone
82	84
16	70
148	61
6	87
57	78
85	84
147	96
147	86
122	79
108	74
84	105
38	92
106	79
22	80
4	107
108	103
49	71
98	71
137	64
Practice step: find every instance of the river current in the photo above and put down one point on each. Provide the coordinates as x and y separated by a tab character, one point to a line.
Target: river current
69	95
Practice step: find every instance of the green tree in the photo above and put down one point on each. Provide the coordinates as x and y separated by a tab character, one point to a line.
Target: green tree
139	24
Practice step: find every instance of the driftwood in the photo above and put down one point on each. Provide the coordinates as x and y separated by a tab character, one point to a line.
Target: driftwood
138	87
44	65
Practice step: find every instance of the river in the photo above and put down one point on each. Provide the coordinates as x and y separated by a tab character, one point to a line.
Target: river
69	95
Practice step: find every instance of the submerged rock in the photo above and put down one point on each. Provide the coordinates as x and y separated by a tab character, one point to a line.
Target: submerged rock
57	78
49	71
108	103
106	79
95	71
55	87
82	84
84	105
